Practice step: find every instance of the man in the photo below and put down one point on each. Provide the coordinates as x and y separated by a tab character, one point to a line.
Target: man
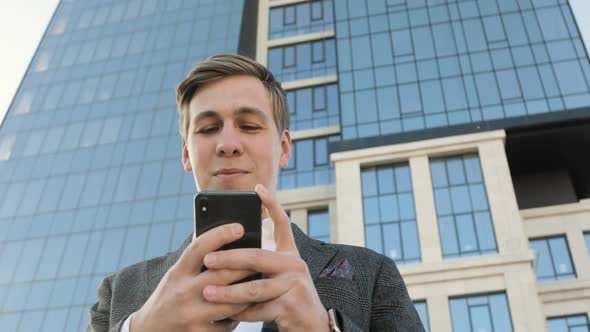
234	119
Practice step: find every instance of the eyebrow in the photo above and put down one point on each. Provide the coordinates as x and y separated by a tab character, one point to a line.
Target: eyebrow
244	110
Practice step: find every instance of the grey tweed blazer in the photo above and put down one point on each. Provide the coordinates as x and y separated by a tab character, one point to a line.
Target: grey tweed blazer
376	299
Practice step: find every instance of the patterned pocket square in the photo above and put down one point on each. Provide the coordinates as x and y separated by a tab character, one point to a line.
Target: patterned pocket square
341	269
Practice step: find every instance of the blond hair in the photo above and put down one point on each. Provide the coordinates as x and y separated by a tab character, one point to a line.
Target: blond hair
220	66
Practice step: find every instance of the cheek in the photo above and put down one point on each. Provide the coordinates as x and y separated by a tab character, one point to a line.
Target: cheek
198	155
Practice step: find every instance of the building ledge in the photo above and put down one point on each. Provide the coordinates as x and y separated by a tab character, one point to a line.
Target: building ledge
301	38
462	268
564	290
278	3
315	132
309	82
582	206
308	197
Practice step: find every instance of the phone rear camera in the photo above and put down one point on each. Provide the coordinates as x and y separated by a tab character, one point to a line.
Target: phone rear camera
203	207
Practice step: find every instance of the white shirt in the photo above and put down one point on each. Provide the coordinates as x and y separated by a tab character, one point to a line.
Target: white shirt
268	243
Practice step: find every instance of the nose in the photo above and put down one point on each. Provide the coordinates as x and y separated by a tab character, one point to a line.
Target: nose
229	143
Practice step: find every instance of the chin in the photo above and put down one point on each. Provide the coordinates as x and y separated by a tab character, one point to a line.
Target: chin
232	185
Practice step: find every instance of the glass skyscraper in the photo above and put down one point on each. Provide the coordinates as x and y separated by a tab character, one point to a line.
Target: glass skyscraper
451	136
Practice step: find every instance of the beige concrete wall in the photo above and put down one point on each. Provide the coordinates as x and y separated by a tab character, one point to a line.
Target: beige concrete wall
426	215
436	279
565	297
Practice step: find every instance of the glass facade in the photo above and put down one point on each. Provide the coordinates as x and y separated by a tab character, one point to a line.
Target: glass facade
552	259
577	323
411	65
303	60
90	172
422	309
489	313
309	165
389	212
318	225
464	220
313	107
300	18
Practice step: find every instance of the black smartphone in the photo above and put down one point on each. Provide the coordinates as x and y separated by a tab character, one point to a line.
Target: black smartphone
215	208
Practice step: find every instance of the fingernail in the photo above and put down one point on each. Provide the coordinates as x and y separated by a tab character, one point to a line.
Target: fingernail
260	188
209	259
210	291
236	229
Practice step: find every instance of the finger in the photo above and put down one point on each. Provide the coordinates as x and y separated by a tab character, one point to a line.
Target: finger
283	235
219	312
256	291
259	312
191	259
260	260
221	277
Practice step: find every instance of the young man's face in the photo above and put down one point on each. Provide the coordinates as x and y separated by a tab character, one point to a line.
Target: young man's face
232	141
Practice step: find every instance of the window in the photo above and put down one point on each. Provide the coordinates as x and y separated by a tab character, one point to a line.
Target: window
301	18
309	164
422	309
6	144
488	313
464	220
318	225
389	212
587	239
303	60
313	107
568	324
552	259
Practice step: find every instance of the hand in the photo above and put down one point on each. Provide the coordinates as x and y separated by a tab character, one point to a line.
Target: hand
177	303
286	294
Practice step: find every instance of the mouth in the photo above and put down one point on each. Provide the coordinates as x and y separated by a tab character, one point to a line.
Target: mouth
230	173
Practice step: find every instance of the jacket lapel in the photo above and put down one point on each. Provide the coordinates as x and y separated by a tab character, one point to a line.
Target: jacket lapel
316	254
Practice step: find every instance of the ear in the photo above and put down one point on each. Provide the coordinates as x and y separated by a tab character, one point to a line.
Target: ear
186	162
285	149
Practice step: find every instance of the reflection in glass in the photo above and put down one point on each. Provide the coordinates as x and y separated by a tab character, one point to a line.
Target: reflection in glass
422	309
6	145
389	212
464	220
318	225
574	323
488	313
552	259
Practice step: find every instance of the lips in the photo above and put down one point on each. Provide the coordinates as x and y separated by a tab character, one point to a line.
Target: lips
230	171
229	174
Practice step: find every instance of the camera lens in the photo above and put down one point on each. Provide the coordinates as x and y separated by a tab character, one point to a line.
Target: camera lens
203	207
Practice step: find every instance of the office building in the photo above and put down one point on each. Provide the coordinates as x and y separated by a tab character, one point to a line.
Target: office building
452	136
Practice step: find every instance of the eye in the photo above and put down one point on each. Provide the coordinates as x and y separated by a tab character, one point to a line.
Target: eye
207	130
250	127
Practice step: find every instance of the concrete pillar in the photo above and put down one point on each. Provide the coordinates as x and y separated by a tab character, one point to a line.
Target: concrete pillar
426	220
510	235
299	218
349	201
578	252
333	215
439	313
525	305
